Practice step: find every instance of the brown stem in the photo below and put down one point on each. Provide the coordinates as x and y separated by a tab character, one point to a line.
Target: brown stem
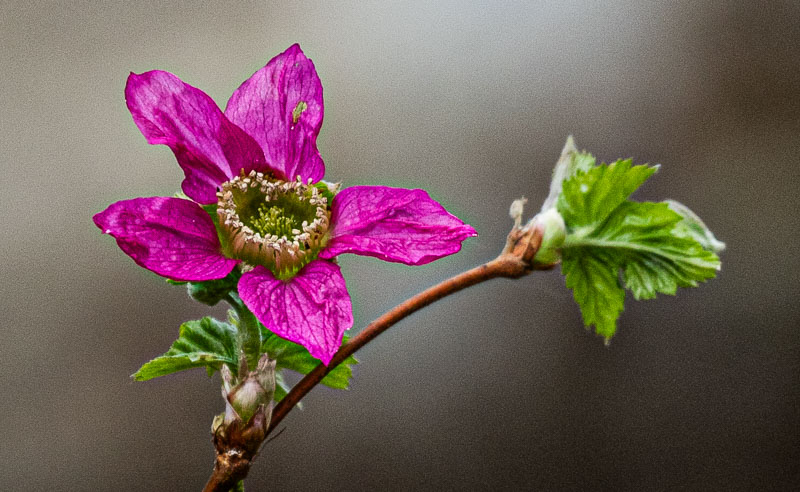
506	265
228	471
515	261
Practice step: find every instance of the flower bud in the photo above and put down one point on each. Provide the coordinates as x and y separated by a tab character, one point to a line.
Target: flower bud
248	406
254	389
553	231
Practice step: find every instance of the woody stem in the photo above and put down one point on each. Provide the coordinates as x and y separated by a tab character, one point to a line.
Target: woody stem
506	265
515	261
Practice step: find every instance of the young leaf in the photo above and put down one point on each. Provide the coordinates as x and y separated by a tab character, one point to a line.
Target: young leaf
594	281
658	258
607	233
589	197
296	358
692	226
570	162
205	343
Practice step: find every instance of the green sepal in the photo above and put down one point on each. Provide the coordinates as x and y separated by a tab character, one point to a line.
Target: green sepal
606	233
296	358
205	343
211	210
211	292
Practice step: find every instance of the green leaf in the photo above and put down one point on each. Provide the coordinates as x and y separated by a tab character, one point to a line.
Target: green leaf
607	234
692	226
570	162
589	197
595	285
205	343
581	162
211	210
296	358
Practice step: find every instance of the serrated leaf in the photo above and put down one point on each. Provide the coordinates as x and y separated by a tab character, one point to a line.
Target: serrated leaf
595	286
205	343
296	358
653	256
582	161
589	197
569	163
607	233
693	226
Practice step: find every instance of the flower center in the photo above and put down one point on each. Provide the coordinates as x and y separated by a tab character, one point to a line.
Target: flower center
281	225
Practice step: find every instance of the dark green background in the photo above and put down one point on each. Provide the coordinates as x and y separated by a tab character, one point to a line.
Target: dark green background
498	387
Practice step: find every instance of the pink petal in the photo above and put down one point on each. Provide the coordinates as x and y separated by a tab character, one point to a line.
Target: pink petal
393	224
312	309
172	237
264	106
209	148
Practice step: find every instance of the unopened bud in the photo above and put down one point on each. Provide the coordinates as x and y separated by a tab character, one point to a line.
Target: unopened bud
254	388
248	406
247	397
553	231
537	244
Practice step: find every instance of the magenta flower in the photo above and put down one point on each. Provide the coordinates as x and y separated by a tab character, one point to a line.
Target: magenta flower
258	162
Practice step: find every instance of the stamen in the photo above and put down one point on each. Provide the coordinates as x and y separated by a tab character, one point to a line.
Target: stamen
281	225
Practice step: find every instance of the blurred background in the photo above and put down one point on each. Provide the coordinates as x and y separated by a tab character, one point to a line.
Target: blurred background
496	388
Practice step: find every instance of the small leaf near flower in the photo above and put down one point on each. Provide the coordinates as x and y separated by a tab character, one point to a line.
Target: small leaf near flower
205	343
296	358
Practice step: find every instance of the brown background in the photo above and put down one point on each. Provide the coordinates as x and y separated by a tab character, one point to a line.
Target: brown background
498	387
